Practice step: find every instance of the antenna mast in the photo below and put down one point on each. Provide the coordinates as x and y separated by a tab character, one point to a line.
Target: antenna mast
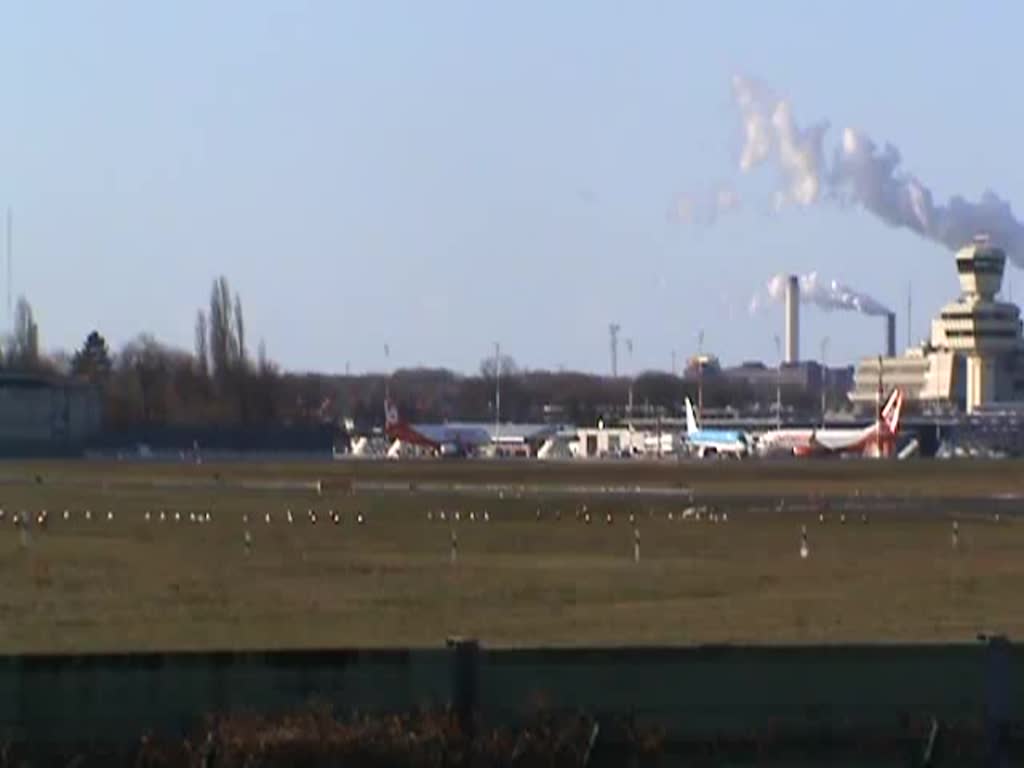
909	297
10	267
629	400
497	396
700	375
613	331
878	410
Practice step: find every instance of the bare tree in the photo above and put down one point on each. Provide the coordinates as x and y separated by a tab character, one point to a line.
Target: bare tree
24	345
489	365
262	364
240	334
223	344
202	347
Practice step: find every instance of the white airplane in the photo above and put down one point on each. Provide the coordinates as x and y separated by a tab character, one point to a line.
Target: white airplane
714	442
878	439
455	440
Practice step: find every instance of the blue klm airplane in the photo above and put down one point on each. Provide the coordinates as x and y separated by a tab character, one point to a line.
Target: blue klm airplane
715	442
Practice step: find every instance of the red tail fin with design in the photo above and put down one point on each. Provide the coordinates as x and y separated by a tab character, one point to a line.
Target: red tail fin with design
391	419
891	411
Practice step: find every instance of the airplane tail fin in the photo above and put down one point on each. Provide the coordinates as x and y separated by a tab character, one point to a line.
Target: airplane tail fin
892	410
691	419
391	419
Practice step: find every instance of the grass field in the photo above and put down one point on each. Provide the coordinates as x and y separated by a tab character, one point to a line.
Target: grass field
129	584
912	478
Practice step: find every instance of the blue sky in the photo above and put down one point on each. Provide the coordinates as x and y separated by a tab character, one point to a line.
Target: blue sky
439	176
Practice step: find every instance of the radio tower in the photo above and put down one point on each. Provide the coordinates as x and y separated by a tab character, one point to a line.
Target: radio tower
613	331
10	268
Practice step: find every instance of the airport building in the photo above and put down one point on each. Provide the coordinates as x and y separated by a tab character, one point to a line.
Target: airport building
621	441
802	376
808	378
974	355
43	416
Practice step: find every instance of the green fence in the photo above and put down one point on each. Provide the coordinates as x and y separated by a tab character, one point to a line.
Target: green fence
690	692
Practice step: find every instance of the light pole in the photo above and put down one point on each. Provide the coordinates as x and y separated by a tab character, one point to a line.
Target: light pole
700	376
778	382
629	400
497	394
824	380
878	408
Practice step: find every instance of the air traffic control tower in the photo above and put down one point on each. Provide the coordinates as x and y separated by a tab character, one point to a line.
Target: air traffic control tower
984	331
975	353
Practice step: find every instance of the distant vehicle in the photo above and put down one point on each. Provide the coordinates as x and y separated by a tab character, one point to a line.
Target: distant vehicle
876	440
714	442
445	440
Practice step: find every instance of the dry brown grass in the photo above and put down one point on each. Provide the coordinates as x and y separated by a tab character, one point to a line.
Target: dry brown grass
316	737
133	585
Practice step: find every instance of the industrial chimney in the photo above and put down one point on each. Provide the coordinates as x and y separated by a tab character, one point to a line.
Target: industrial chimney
890	334
792	319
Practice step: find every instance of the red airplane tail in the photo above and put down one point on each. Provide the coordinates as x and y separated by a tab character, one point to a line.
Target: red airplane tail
887	428
891	412
392	421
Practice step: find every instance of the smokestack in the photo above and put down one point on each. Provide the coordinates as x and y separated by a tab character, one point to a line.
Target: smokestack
890	334
792	319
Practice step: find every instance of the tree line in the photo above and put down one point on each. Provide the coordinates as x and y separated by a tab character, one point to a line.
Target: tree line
220	383
148	382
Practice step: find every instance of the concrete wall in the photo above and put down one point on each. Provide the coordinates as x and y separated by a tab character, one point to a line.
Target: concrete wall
691	691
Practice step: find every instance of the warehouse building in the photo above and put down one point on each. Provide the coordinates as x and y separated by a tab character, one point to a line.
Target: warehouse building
43	416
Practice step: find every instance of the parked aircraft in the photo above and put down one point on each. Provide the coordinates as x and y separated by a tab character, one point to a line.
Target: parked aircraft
713	442
878	439
450	440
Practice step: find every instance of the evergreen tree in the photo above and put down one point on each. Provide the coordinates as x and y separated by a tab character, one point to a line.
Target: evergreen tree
92	361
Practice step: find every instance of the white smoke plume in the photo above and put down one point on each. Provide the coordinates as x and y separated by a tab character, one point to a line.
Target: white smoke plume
772	134
861	173
828	295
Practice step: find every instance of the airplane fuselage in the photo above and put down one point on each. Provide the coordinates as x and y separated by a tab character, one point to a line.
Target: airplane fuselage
707	442
812	442
878	439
